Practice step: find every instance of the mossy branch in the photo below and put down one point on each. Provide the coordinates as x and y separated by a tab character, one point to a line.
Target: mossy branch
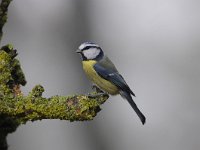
16	109
33	106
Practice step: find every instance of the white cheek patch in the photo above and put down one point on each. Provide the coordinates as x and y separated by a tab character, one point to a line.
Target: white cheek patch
91	53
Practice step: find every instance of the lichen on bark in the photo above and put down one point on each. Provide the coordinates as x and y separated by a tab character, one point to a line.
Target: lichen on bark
16	108
34	106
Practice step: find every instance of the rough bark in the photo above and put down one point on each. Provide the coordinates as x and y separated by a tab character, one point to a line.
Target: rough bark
16	108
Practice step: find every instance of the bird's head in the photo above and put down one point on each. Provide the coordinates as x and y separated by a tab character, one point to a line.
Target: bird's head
90	51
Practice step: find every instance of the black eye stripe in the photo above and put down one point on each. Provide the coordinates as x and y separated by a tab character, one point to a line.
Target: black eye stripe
88	47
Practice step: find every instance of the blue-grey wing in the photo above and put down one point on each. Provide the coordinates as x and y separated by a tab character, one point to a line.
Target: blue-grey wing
113	76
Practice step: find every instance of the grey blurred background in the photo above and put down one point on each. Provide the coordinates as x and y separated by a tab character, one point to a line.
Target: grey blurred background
155	45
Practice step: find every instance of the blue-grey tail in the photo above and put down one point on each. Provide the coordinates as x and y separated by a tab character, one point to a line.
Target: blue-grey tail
127	96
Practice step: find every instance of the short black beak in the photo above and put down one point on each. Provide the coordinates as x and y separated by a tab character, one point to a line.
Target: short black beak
78	51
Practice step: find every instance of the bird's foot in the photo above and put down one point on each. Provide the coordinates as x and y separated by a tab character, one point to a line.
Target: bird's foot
97	92
97	89
97	95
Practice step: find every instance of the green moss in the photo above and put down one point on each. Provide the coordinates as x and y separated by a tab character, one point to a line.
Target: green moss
5	74
17	73
11	72
15	68
36	91
35	107
16	109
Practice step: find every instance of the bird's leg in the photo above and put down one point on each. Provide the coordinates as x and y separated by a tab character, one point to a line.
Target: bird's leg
98	91
97	95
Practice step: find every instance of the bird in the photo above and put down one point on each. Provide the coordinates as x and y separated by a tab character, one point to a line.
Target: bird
103	73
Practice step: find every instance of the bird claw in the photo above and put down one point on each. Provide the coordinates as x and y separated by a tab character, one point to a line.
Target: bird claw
97	95
97	89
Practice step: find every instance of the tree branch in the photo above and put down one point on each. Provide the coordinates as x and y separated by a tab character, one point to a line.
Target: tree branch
16	109
34	106
3	14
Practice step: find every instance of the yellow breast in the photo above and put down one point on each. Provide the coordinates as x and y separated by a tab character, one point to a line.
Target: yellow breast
96	79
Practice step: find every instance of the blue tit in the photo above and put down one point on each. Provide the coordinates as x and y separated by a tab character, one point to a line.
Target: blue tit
103	73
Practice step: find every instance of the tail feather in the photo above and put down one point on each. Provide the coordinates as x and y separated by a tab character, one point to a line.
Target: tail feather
133	105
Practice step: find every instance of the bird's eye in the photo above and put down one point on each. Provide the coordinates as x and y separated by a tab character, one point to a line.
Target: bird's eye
87	47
